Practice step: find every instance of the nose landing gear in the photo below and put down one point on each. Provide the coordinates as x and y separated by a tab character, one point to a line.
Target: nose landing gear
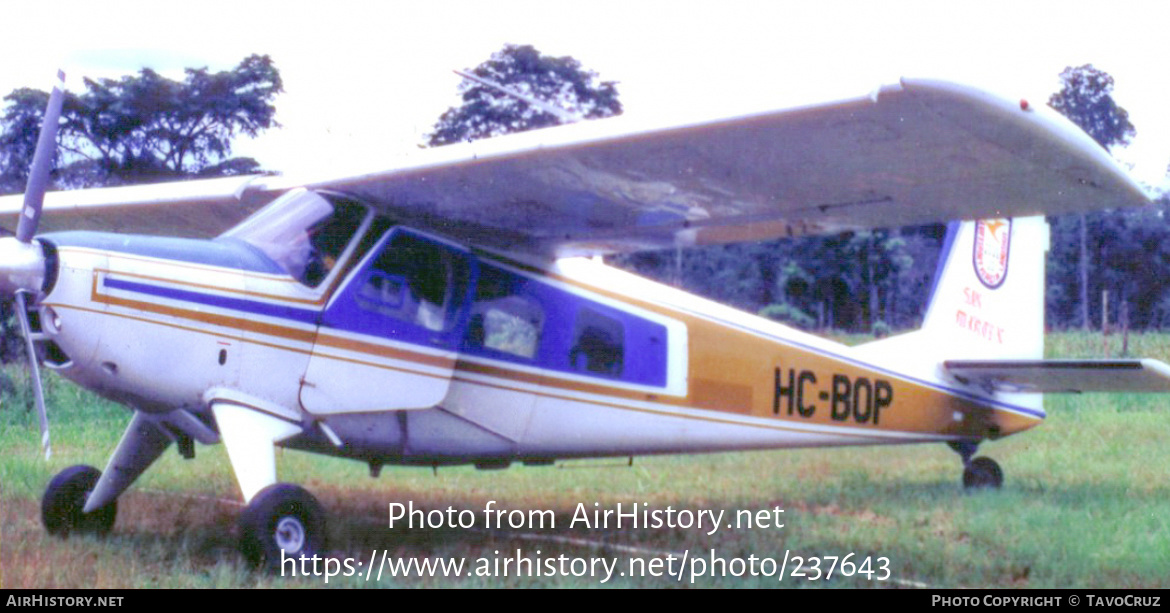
64	499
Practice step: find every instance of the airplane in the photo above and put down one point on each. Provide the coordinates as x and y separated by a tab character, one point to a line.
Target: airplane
452	309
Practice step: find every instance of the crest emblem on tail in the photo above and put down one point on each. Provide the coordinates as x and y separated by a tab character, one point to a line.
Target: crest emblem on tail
992	242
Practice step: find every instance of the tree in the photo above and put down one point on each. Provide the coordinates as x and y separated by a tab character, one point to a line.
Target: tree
145	128
1086	98
487	112
140	128
18	140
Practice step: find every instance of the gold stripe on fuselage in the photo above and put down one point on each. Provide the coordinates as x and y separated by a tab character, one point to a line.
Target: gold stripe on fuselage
731	370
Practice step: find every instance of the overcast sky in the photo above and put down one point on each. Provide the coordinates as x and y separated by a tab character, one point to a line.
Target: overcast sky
365	81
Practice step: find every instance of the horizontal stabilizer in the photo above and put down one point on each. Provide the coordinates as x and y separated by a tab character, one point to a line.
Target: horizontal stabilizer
1063	375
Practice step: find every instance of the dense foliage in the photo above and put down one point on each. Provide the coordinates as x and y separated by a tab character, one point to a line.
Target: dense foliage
1080	265
855	281
1086	98
144	128
139	129
488	112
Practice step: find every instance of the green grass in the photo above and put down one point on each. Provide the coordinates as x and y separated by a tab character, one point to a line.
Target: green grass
1086	503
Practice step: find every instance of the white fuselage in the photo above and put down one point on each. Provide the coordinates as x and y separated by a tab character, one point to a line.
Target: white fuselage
163	334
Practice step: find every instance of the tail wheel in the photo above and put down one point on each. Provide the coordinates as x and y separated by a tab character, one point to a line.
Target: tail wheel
982	473
282	521
64	499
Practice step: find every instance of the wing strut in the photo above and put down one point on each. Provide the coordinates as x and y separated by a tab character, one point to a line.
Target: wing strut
250	436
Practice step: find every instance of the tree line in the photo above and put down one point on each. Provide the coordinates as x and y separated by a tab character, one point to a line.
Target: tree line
145	128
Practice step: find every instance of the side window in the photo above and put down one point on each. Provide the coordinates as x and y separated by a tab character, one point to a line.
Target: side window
328	239
503	318
598	344
416	281
538	322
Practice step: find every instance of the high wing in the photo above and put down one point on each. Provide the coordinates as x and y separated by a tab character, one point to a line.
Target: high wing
1063	375
910	153
200	208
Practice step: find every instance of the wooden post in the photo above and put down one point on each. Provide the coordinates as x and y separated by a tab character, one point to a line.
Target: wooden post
1084	270
1105	311
1105	323
1124	329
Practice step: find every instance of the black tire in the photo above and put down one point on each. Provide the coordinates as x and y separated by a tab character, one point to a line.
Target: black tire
65	498
982	473
281	518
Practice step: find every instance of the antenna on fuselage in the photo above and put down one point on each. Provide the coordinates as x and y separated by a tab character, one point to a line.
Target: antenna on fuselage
541	105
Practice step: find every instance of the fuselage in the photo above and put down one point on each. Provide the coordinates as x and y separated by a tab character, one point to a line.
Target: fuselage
416	350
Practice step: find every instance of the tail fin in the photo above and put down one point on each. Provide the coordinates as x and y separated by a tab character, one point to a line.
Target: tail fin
986	320
988	300
987	306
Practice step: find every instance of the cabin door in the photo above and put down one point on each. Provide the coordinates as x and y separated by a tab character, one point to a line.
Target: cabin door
390	337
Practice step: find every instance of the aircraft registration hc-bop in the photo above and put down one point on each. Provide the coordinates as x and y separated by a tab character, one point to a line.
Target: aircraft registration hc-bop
440	313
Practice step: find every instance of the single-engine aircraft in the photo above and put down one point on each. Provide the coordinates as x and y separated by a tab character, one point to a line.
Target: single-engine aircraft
448	310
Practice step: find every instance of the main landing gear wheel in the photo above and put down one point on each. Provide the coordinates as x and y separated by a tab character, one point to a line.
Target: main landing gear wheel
982	473
65	498
281	518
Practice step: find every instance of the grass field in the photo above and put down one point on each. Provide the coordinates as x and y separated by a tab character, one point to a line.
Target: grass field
1086	503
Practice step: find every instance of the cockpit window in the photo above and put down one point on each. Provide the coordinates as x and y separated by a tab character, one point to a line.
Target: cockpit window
303	232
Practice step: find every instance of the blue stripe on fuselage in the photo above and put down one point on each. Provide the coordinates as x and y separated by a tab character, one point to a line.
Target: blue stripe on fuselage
241	305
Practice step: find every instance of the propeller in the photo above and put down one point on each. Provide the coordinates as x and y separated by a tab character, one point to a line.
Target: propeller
22	273
34	371
38	174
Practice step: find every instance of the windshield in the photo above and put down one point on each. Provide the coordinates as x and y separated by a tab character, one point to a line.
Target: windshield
303	232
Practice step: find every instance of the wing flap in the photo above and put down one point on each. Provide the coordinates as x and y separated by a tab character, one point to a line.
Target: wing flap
1054	376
